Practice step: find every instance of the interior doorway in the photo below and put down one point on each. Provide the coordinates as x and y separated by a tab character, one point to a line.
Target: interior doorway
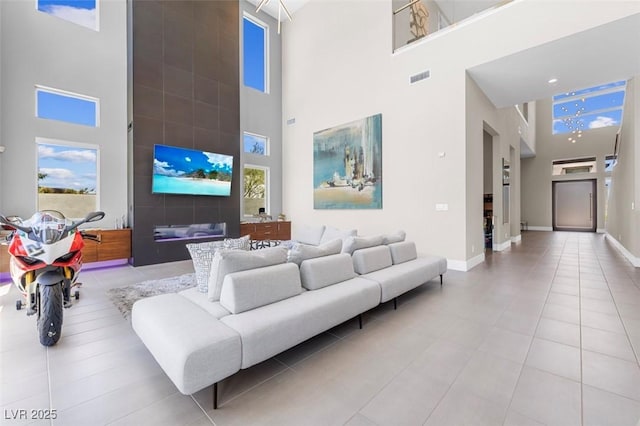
488	216
574	205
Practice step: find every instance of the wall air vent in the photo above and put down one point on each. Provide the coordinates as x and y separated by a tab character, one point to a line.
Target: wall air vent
421	76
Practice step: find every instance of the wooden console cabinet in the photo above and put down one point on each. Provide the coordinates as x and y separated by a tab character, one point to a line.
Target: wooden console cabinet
266	230
113	244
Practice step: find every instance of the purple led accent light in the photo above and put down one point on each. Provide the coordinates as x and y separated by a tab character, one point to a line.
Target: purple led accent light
5	277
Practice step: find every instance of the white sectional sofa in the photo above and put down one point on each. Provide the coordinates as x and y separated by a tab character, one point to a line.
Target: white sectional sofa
269	309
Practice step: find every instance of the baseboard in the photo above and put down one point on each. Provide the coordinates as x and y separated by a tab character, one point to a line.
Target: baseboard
635	261
539	228
465	265
502	246
600	231
516	239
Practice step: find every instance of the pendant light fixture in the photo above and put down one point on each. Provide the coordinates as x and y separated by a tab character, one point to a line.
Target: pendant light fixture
281	7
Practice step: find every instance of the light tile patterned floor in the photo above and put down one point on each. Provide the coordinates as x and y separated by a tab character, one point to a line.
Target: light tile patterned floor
547	332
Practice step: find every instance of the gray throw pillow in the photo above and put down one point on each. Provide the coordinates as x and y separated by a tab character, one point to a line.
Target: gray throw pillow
302	252
331	233
202	256
352	244
396	237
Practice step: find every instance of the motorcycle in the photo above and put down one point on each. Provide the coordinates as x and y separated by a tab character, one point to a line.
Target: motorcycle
46	258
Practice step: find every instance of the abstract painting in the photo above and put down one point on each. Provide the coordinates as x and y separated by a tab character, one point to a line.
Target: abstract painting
347	165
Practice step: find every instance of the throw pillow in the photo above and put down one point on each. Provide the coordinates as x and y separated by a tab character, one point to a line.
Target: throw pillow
331	233
202	255
352	244
301	252
308	234
228	261
242	243
396	237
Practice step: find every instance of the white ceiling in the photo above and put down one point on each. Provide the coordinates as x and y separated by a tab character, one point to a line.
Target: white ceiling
603	54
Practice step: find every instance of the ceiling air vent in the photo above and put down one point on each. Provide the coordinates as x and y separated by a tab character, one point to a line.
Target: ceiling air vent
421	76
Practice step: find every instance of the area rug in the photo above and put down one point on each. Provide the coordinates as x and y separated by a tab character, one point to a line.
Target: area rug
125	297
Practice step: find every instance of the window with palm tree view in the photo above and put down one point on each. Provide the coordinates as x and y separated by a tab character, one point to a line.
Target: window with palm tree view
256	182
67	177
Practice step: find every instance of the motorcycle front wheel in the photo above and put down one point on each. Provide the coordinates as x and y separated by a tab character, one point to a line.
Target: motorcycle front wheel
50	315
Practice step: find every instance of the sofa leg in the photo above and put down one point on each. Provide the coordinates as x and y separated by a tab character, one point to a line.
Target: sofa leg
395	303
215	396
440	280
360	321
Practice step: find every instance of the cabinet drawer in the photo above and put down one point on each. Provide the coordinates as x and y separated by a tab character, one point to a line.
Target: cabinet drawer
112	251
115	235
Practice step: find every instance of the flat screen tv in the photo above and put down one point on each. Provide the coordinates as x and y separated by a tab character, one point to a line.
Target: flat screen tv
189	171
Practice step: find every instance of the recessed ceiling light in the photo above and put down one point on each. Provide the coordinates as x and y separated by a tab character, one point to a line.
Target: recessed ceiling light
553	80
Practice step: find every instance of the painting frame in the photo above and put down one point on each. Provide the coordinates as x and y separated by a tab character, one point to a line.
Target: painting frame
347	165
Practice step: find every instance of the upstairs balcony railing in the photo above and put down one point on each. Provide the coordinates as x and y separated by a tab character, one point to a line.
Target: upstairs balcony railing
416	19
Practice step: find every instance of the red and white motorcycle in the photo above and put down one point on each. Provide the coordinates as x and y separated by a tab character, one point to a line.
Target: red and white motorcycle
45	262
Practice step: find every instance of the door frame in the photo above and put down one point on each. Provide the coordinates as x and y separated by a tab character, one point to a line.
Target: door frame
594	205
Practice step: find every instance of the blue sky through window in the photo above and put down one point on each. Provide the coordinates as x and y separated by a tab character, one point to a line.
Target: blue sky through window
81	12
255	144
589	108
56	106
67	167
254	55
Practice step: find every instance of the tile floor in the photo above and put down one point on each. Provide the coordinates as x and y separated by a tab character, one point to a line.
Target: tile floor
547	332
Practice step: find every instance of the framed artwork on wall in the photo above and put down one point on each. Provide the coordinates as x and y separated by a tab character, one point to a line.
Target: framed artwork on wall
347	165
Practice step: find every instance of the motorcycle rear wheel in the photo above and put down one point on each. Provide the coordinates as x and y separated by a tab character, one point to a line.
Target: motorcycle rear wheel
50	318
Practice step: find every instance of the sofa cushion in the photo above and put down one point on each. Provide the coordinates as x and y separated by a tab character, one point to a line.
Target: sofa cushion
403	252
271	329
192	347
324	271
352	244
308	234
396	237
398	279
202	256
371	259
330	233
246	290
228	261
301	252
201	299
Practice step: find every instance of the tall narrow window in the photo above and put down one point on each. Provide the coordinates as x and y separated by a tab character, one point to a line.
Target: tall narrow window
81	12
67	177
255	144
254	54
256	188
65	106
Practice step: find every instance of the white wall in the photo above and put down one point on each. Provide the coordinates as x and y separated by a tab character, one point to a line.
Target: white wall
502	124
536	171
335	71
38	48
623	217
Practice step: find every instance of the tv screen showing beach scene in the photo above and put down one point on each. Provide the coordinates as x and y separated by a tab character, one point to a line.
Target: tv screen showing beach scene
188	171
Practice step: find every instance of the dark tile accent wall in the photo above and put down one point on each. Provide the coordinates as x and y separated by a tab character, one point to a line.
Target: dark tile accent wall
185	93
